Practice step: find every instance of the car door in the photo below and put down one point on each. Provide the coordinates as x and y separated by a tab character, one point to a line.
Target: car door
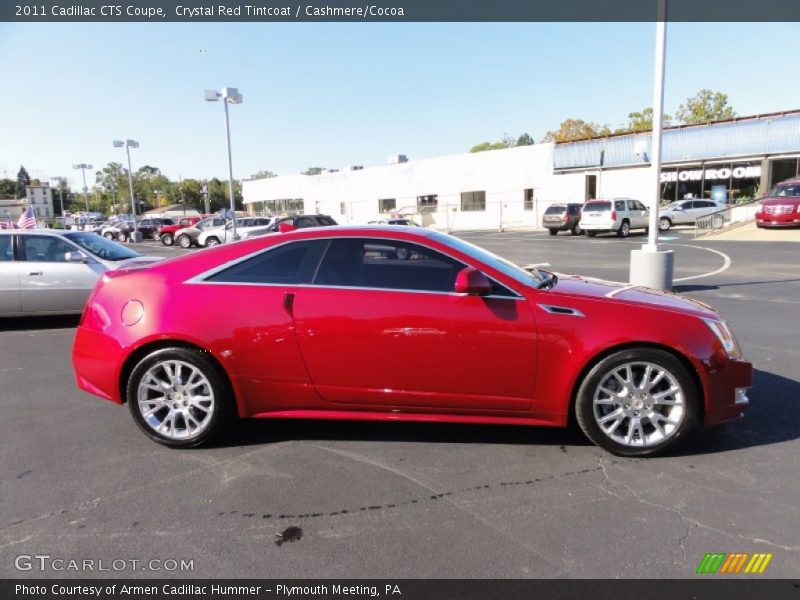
637	214
703	208
9	277
381	327
683	213
49	282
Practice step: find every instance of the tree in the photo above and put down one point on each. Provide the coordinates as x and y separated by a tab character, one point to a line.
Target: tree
313	170
642	121
525	140
23	179
576	129
8	188
507	142
705	106
262	174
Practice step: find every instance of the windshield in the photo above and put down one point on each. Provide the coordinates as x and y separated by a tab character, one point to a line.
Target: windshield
782	191
496	262
100	246
596	206
555	210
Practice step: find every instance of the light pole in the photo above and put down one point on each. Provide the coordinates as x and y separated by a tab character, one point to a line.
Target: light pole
128	144
651	267
60	181
229	95
205	198
83	167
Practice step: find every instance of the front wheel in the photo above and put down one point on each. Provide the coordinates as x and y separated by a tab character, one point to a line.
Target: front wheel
591	233
179	398
664	224
637	402
211	242
122	237
167	239
576	229
108	235
553	231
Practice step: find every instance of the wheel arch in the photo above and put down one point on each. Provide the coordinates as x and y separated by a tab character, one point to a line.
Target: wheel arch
595	359
139	353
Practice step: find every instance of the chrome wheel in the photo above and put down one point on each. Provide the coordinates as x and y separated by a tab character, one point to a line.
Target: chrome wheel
185	241
639	404
664	224
176	400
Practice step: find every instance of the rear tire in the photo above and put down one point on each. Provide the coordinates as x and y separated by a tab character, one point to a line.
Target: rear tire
184	241
122	237
211	242
632	420
664	224
576	229
167	239
179	397
553	231
624	229
108	235
591	233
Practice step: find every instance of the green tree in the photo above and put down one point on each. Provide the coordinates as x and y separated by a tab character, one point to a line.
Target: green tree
571	130
484	146
262	174
313	170
525	140
705	106
642	121
23	179
8	188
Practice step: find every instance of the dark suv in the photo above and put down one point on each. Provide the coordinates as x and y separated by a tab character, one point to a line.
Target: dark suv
302	221
563	217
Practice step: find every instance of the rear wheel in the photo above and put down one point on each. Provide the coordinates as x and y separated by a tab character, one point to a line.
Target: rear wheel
179	398
664	224
624	229
122	237
184	241
108	235
167	239
718	222
637	402
211	242
576	229
553	231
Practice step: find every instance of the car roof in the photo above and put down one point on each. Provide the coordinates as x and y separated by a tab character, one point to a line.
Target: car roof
365	230
53	232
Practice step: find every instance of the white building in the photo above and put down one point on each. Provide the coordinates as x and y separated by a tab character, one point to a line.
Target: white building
731	161
40	197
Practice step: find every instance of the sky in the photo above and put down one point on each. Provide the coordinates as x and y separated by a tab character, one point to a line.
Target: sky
339	94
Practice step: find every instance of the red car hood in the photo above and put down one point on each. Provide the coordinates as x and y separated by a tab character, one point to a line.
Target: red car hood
589	287
792	200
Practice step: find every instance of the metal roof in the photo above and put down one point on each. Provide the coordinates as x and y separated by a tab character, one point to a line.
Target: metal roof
763	134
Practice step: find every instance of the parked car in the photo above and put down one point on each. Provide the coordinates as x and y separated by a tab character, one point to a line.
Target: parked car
301	222
112	228
219	235
167	233
323	317
402	221
187	237
51	271
563	217
686	212
619	215
782	207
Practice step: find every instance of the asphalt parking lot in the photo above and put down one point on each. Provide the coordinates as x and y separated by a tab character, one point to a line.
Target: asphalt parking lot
78	480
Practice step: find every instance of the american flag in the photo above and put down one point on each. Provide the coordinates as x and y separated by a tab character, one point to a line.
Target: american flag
27	220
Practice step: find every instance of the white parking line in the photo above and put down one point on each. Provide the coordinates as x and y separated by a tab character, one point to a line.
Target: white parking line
724	267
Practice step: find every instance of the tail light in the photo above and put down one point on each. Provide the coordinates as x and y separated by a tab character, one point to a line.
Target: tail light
613	215
566	217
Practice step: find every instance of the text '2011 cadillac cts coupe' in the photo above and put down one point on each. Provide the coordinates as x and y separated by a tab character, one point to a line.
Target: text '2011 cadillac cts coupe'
385	323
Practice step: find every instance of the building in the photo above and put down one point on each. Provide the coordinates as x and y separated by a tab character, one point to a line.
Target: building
40	198
172	211
731	161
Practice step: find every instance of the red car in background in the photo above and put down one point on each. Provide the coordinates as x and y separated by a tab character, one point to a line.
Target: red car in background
782	207
166	233
314	323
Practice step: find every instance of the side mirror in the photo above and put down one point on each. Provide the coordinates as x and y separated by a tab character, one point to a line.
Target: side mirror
286	227
471	281
75	257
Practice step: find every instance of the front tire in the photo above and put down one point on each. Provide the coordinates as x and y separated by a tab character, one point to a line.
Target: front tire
638	402
591	233
122	237
167	239
553	231
211	242
109	236
664	224
576	229
179	397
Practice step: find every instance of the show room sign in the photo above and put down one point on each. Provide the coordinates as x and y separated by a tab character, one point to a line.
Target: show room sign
712	174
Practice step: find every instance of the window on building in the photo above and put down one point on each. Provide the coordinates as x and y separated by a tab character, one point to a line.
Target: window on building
341	208
386	205
591	187
528	201
473	201
427	204
782	169
287	205
292	263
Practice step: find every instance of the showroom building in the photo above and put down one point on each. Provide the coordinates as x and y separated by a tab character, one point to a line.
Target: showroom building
730	161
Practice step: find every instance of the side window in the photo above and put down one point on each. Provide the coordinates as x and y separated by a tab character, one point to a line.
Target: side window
688	205
6	248
639	205
292	263
619	205
301	222
41	248
387	264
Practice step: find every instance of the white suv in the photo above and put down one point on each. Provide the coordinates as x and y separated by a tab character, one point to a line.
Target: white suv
220	235
618	214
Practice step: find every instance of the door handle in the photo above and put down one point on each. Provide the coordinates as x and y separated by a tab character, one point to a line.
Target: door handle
35	273
288	302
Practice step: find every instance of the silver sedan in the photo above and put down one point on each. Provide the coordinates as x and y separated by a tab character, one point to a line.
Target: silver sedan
46	271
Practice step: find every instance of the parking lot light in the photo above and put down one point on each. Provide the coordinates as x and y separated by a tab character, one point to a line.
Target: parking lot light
128	144
229	95
83	167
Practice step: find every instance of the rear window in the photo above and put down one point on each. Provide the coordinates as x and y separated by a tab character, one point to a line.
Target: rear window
782	191
594	206
555	210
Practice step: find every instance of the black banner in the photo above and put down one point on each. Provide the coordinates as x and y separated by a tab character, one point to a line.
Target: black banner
397	10
402	589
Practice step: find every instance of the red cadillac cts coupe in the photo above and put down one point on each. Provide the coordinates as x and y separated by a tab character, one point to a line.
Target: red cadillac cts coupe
395	323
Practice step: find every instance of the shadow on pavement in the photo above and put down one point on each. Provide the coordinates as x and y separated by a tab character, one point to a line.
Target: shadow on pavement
45	322
703	288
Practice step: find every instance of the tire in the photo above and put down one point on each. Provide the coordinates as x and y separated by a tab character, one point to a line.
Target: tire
122	237
108	235
591	233
719	222
184	241
211	242
167	239
624	229
597	401
553	231
184	421
664	224
576	229
155	235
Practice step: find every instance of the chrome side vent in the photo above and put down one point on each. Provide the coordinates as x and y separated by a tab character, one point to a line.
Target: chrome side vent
561	310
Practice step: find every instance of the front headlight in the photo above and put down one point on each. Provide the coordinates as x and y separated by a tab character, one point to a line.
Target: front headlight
725	336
